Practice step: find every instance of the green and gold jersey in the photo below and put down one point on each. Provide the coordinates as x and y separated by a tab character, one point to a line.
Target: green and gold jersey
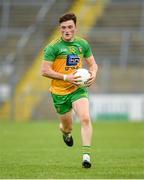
67	57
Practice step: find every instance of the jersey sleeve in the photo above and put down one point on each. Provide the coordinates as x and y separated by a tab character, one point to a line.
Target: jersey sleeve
49	53
88	51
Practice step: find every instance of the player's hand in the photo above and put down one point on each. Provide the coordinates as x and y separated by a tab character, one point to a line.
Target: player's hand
92	78
73	79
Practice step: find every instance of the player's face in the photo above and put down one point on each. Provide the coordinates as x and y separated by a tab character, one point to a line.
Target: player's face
67	30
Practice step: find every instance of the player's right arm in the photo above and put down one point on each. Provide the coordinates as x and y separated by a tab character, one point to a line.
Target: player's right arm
47	71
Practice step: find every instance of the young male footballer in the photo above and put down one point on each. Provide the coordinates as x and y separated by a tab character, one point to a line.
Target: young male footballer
62	57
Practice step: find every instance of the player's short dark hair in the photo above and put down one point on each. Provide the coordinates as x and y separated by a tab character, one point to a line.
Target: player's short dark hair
67	17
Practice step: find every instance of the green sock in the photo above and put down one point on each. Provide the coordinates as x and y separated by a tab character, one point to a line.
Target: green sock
86	149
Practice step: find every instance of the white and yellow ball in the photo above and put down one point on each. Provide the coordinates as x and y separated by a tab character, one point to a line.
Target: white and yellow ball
84	76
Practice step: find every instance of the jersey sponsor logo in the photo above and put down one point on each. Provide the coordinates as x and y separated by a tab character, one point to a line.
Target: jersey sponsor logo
71	67
72	60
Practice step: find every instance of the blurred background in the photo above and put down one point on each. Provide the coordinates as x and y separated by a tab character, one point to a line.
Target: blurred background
115	31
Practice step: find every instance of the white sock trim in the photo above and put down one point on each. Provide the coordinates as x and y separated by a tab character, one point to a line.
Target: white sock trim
86	157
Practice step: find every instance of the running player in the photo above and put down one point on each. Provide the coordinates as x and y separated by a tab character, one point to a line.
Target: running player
62	57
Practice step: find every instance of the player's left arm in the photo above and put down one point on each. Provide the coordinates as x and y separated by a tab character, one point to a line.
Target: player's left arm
93	68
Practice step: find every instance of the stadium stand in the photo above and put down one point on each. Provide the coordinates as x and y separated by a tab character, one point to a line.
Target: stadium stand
122	19
29	25
115	31
24	37
32	78
118	43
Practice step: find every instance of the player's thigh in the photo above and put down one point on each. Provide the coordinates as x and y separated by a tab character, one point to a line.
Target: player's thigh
81	107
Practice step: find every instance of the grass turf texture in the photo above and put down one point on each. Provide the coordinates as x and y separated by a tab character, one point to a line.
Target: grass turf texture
36	150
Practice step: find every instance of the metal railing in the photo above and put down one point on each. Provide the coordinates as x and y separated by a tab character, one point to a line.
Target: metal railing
117	45
26	34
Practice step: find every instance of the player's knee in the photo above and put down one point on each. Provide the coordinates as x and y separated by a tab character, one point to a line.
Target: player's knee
85	120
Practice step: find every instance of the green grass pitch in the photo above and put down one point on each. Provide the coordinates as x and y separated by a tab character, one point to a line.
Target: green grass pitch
36	150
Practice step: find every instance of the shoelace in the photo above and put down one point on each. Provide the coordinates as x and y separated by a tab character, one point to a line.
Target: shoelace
67	137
